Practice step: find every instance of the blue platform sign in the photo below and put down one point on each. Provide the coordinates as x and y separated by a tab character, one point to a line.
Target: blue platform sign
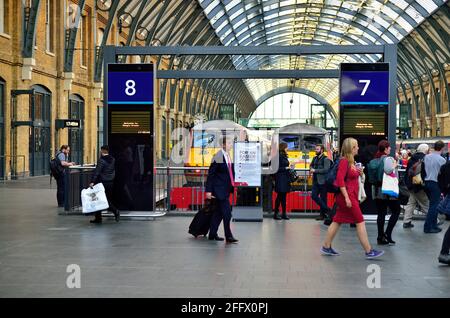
130	87
364	87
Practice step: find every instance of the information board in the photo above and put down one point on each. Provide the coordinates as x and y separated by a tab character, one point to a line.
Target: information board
247	164
130	116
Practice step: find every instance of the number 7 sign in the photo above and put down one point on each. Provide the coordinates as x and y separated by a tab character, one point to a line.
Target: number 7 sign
367	82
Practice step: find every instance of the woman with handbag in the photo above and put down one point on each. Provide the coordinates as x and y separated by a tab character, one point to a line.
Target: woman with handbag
282	182
383	201
348	210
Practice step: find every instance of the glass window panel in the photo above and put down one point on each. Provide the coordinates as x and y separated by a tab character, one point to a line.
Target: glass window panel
413	13
428	5
402	4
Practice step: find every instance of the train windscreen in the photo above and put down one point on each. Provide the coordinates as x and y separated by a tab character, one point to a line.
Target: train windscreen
203	139
311	141
292	141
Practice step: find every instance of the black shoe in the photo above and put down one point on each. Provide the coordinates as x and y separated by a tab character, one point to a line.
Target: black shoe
285	217
215	238
389	239
276	217
435	230
117	215
320	218
96	221
408	225
382	241
232	240
444	259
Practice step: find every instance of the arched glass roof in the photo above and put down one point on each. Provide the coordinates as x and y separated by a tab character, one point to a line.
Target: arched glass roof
419	27
311	22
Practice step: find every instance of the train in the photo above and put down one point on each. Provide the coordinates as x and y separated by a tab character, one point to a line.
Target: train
300	138
411	144
204	143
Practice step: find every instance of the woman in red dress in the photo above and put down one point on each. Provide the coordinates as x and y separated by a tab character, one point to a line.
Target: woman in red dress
348	210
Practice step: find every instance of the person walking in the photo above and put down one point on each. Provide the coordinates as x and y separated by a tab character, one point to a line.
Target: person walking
282	182
348	209
62	157
433	163
444	256
319	168
219	185
382	201
417	195
105	173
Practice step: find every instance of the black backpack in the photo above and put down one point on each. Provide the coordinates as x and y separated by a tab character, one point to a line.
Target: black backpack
331	177
56	169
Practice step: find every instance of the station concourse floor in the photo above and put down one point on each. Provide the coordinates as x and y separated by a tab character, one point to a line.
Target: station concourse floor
135	258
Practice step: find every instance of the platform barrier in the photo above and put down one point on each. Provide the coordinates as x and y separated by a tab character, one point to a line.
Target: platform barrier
182	189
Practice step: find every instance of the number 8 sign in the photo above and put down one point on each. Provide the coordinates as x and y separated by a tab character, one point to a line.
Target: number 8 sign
125	87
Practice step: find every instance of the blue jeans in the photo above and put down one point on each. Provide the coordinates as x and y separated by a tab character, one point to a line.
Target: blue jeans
320	189
434	195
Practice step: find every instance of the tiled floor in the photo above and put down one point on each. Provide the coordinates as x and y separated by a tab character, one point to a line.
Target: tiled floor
160	259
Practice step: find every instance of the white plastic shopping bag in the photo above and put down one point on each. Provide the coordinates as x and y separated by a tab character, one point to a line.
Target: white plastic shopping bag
390	185
94	199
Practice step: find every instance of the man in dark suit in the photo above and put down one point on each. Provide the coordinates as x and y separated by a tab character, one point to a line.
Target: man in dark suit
319	167
219	185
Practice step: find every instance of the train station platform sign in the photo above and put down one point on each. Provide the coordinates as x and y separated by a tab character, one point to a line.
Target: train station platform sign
129	119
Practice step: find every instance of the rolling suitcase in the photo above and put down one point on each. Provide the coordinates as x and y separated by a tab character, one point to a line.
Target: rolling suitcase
202	220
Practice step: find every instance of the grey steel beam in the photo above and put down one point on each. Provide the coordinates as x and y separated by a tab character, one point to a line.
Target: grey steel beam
103	46
251	50
408	62
248	74
70	42
440	30
134	23
405	51
30	29
411	87
390	56
151	34
432	48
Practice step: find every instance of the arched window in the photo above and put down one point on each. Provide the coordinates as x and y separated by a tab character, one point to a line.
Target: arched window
163	137
427	99
287	108
418	106
84	40
2	127
171	129
76	136
50	25
4	16
438	101
100	33
39	142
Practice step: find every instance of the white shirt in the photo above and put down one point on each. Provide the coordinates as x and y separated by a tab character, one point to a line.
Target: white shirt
227	157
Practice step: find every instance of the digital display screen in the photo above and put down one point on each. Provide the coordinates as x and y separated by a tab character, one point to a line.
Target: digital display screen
136	122
364	121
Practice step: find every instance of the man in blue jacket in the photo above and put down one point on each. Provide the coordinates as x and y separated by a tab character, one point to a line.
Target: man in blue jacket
219	185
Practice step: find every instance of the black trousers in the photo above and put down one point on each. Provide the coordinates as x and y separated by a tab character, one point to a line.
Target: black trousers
319	195
281	198
60	190
222	212
382	205
109	187
446	243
